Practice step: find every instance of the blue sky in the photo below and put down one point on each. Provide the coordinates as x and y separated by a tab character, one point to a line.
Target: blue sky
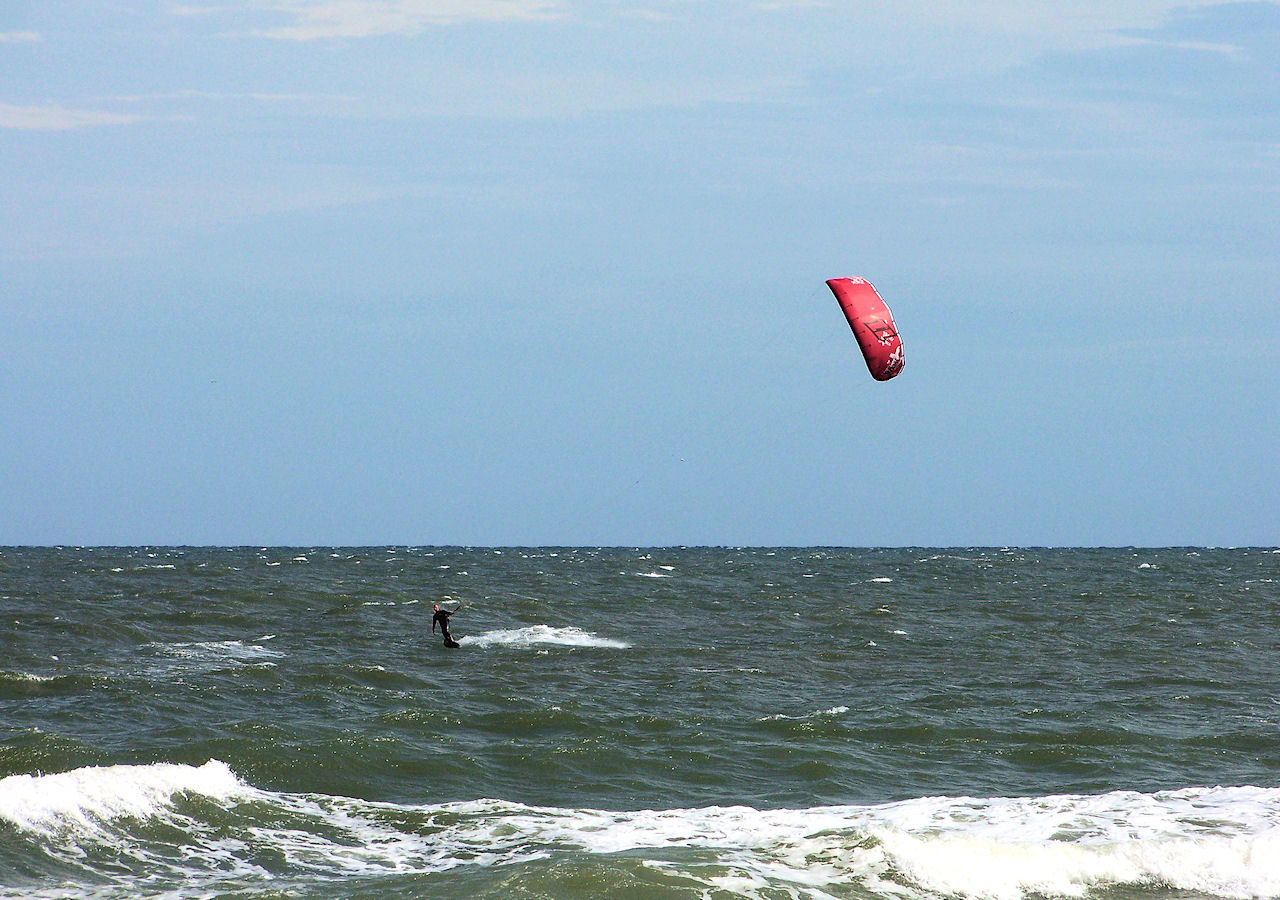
546	271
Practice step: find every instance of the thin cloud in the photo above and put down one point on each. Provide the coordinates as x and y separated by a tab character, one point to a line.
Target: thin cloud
1195	46
58	118
20	37
256	96
322	19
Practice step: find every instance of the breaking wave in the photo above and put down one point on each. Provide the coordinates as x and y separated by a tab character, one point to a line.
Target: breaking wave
196	829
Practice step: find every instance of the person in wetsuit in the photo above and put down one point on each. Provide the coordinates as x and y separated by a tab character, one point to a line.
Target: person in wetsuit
441	618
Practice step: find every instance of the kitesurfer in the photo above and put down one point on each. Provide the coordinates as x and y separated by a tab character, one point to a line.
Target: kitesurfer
441	618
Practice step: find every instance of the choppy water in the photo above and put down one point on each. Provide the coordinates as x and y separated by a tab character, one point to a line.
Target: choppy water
656	723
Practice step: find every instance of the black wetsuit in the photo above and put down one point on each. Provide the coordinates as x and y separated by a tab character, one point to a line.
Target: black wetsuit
442	618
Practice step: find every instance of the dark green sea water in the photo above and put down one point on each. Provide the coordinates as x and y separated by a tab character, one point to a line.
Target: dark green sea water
653	723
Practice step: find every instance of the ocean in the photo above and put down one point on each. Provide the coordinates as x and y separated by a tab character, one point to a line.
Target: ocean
714	723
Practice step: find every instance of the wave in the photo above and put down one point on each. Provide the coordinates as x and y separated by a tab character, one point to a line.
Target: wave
820	713
195	829
16	685
84	800
202	657
534	635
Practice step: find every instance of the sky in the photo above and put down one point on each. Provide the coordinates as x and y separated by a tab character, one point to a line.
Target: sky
531	272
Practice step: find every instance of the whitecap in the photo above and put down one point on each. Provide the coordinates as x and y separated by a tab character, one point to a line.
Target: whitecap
85	799
541	634
28	676
237	650
1215	842
199	657
833	711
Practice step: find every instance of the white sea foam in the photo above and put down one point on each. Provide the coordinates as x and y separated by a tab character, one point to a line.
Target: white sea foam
85	800
541	634
231	650
833	711
196	657
1218	842
27	676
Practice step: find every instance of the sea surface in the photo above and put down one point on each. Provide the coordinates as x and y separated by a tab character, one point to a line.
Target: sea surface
718	723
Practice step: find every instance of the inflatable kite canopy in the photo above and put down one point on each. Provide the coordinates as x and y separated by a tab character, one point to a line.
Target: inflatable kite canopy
872	325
